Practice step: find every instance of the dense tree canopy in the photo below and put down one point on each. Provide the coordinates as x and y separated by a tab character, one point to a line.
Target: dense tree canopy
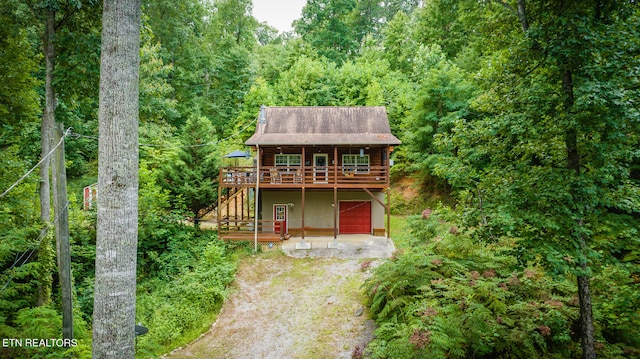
524	115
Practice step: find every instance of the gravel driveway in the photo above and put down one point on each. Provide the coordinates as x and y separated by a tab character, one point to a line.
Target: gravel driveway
284	307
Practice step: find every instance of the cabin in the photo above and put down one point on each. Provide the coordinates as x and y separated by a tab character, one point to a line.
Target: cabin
317	171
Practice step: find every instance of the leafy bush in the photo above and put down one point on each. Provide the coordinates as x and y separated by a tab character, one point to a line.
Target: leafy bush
177	310
445	295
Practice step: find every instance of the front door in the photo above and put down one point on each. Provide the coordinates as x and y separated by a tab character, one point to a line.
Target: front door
280	218
320	167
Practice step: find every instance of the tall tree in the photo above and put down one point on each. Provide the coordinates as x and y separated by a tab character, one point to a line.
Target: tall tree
325	25
18	111
52	14
366	18
232	23
551	153
447	23
442	98
18	64
308	82
179	28
117	227
47	126
398	42
191	175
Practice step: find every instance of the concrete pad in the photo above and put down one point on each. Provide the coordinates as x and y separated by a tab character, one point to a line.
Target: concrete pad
303	245
352	246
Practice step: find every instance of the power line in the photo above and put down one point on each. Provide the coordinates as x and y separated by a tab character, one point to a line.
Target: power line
39	240
70	133
36	166
211	143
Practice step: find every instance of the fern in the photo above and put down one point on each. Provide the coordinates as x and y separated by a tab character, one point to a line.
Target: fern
455	298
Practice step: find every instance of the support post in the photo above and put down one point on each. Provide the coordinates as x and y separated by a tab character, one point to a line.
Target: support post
388	210
304	170
335	219
388	167
303	206
218	213
235	207
255	214
335	212
303	244
62	233
335	165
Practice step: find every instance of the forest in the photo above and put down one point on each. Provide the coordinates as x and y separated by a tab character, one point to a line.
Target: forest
520	123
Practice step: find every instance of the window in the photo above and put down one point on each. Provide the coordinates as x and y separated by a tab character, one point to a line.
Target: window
355	164
288	160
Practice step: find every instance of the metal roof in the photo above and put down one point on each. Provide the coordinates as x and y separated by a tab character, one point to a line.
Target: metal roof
323	125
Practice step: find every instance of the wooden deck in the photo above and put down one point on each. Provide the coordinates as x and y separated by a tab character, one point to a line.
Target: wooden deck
309	177
243	230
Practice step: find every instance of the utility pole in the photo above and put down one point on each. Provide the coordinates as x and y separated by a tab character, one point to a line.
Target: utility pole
63	248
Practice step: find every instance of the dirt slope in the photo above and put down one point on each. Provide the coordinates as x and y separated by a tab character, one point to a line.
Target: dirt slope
283	307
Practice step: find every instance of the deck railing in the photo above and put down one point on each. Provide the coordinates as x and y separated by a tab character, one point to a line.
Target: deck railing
292	176
268	231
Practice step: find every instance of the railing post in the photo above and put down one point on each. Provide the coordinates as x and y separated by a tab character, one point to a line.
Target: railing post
387	168
304	172
335	165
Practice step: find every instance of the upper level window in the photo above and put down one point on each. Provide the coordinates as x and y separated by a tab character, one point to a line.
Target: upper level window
288	160
355	163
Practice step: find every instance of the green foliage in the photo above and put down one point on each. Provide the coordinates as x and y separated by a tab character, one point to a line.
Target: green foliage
476	100
83	255
18	96
512	158
39	322
309	82
442	99
156	102
363	83
325	25
191	175
184	301
449	24
20	242
398	43
445	295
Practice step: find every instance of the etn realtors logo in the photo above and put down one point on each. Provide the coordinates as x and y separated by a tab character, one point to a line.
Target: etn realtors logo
37	343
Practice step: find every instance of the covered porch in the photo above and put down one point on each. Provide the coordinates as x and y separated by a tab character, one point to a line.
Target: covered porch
310	176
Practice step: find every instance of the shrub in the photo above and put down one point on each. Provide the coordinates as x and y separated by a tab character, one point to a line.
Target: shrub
177	310
451	297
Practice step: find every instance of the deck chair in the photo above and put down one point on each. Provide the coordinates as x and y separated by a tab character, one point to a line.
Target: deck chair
274	175
297	176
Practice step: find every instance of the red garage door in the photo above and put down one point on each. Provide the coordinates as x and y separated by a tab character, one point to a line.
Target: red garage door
355	217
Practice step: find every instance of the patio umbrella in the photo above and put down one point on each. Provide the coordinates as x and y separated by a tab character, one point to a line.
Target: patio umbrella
238	154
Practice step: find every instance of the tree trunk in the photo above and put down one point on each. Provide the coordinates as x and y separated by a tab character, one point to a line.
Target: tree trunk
63	248
46	129
586	315
117	228
573	164
522	16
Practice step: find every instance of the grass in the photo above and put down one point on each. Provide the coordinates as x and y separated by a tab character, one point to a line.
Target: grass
192	334
399	230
